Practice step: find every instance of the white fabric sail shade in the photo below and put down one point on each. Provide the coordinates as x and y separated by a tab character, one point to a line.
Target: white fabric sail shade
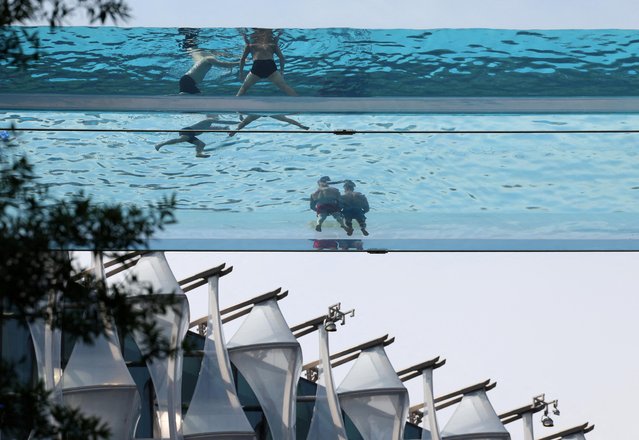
269	357
97	381
215	411
373	397
475	419
166	374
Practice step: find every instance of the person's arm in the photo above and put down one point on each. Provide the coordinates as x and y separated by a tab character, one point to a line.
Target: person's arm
365	206
214	61
243	61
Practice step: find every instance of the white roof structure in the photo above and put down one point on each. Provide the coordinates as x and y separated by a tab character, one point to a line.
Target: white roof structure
475	419
215	411
373	397
269	357
97	381
166	373
577	436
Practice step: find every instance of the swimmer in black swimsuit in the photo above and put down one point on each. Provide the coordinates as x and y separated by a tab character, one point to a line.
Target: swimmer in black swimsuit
202	63
191	136
263	46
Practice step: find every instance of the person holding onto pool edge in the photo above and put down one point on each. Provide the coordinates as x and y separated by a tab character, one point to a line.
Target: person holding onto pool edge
263	45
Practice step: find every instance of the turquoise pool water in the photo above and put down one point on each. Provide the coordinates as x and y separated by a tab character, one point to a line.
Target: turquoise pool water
450	180
533	186
343	62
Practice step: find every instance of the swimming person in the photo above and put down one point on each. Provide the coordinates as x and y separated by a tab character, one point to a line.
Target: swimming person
203	60
354	206
263	46
251	118
326	201
191	136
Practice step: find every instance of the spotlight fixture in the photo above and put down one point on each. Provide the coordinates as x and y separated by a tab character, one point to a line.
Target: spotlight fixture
330	326
335	315
545	418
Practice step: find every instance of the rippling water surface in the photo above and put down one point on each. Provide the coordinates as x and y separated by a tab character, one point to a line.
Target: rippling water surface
344	62
400	172
544	185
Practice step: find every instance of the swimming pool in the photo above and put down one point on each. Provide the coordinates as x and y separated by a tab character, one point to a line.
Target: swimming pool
436	180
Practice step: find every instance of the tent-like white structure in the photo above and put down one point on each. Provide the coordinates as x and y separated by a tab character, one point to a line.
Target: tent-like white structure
215	411
269	357
96	381
577	436
373	397
475	419
166	374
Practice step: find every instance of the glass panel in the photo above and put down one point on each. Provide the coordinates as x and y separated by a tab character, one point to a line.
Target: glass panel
17	349
526	182
475	418
337	62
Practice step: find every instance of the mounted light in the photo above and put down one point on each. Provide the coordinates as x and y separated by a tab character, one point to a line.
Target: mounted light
330	326
541	401
555	410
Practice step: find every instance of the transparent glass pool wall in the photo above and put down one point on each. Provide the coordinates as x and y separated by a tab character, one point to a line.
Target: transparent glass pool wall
433	181
461	139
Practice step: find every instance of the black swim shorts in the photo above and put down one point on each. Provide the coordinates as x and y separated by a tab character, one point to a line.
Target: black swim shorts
187	85
263	68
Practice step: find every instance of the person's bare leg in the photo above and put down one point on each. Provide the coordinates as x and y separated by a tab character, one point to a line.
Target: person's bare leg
249	81
246	121
277	79
171	142
199	148
289	121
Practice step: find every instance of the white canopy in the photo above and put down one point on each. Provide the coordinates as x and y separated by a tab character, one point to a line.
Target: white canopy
373	397
475	419
578	436
97	381
215	411
166	374
269	357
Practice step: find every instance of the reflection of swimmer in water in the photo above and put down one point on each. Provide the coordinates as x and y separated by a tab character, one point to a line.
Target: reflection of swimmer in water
191	136
251	118
326	201
203	60
263	46
354	206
